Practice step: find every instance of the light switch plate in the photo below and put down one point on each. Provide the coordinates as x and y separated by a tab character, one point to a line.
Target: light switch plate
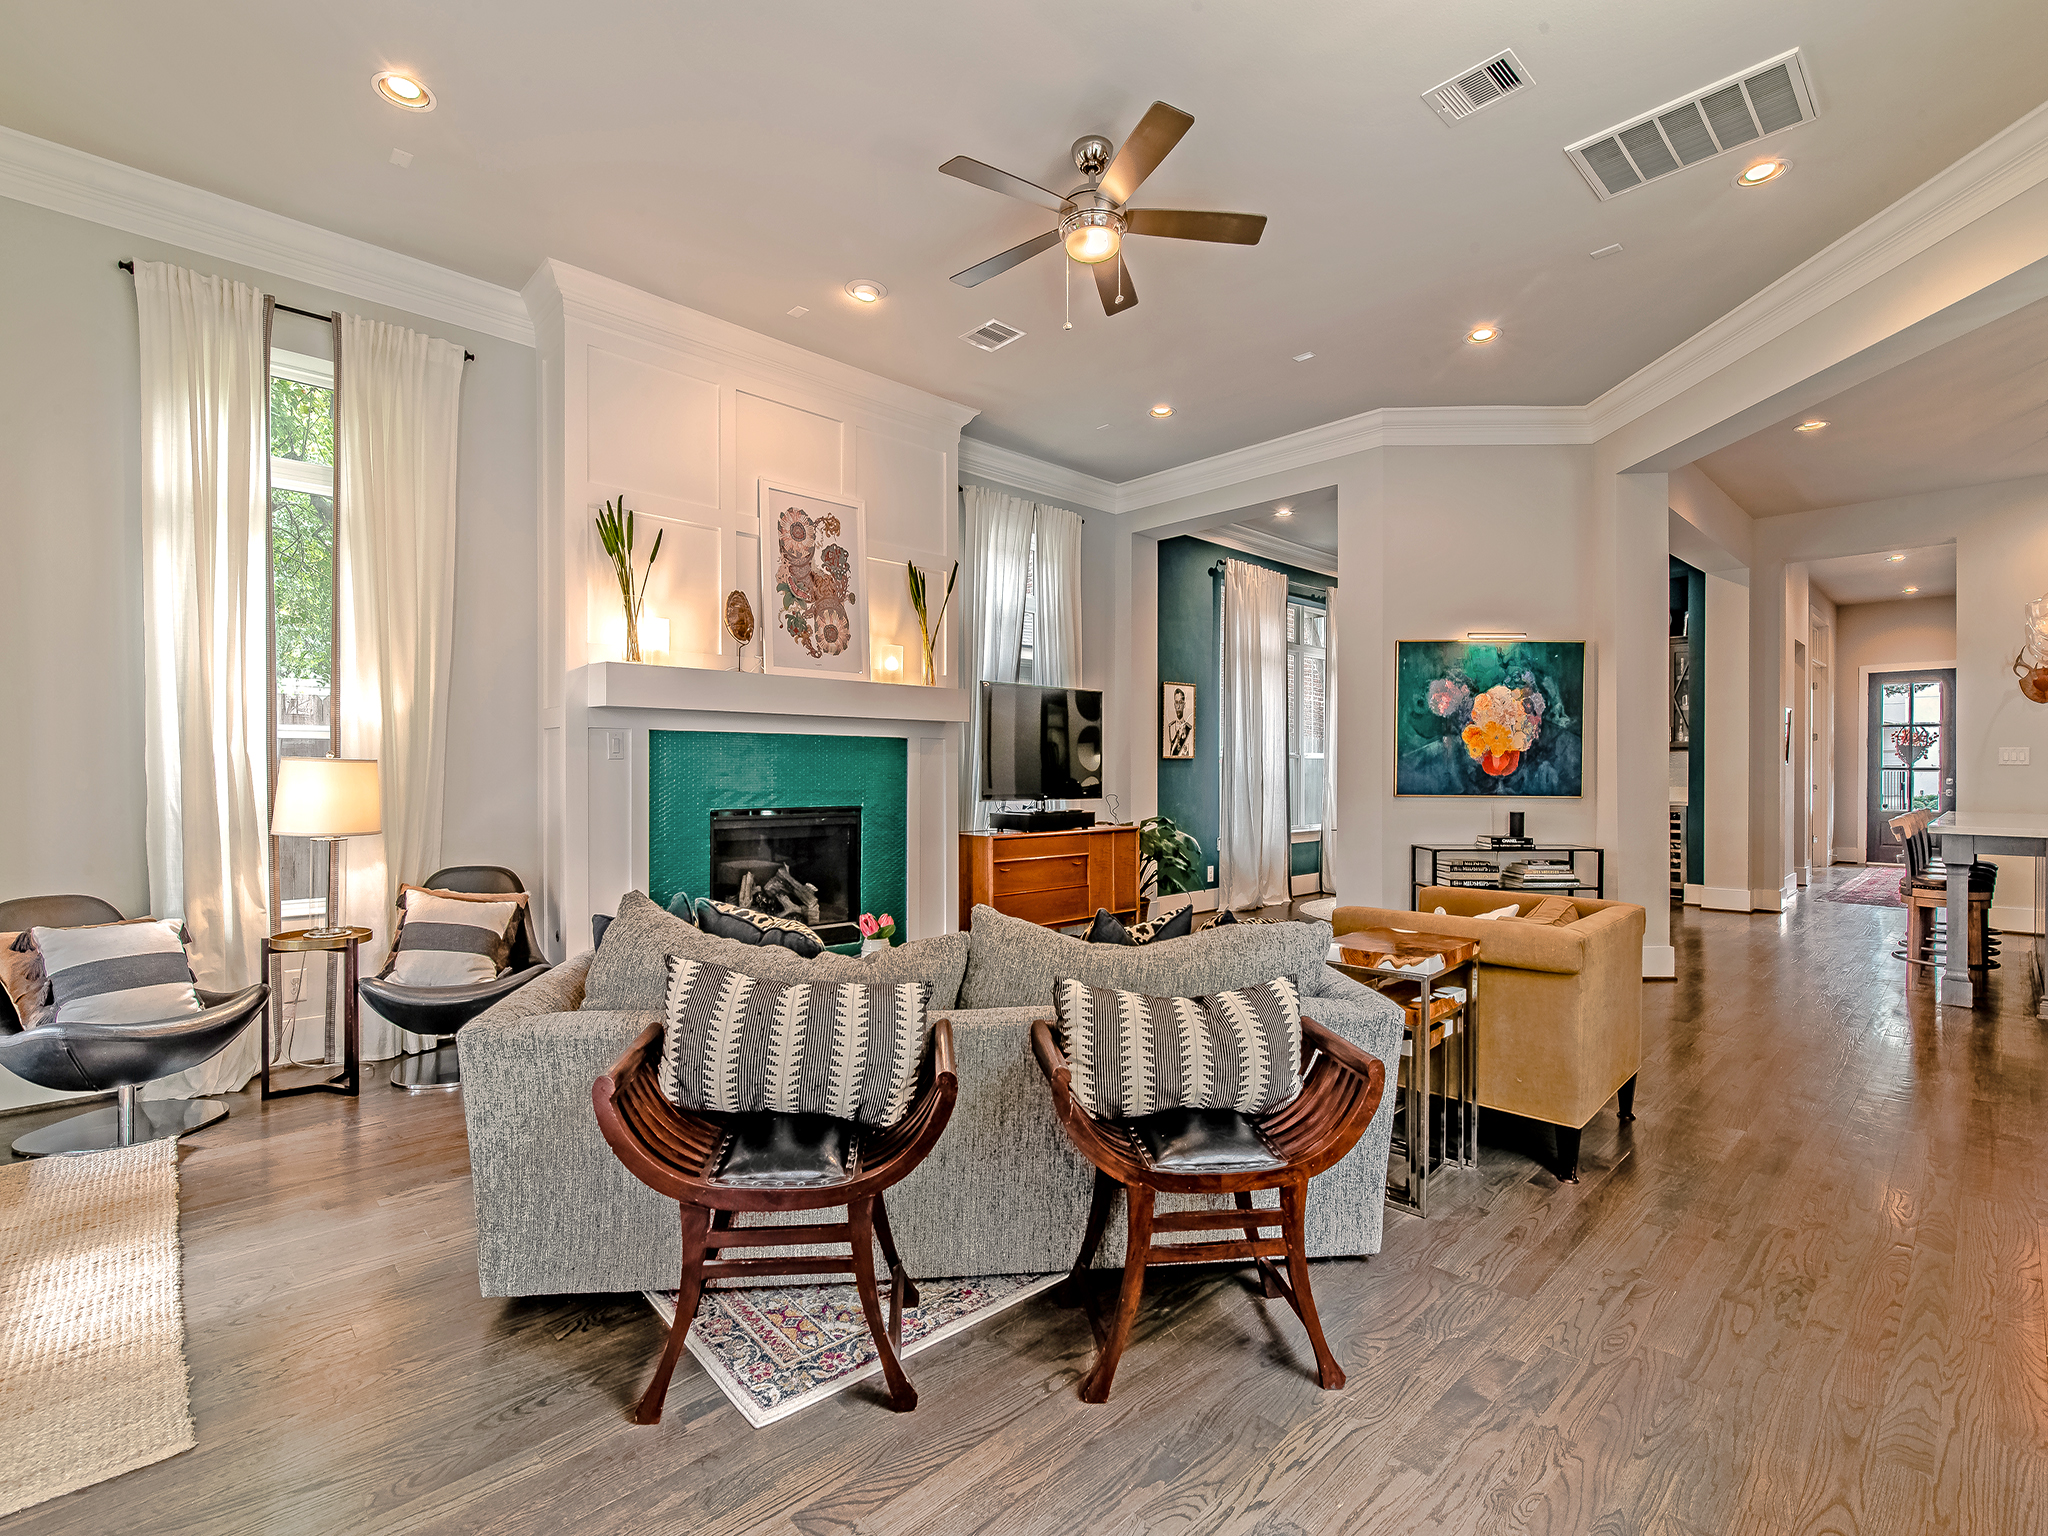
2012	757
1212	874
615	746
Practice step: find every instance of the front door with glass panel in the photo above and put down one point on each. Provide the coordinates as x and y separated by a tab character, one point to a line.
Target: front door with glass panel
1911	760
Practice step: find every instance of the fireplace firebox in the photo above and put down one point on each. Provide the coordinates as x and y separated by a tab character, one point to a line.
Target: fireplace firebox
800	862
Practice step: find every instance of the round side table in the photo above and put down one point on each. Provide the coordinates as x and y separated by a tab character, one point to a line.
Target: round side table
298	941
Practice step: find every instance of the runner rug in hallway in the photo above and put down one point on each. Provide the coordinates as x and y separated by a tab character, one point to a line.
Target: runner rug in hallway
1877	886
778	1349
92	1320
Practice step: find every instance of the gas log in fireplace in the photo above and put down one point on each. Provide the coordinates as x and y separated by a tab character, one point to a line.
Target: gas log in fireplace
800	862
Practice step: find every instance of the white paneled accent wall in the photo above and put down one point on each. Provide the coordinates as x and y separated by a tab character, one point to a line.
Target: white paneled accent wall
683	414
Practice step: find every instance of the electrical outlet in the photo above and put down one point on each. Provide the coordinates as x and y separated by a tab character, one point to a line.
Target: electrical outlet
1212	874
2012	757
615	745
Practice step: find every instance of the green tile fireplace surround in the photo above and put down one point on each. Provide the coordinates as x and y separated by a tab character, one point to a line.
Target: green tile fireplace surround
690	774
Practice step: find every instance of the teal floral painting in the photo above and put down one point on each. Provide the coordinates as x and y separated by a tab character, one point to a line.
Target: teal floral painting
1477	719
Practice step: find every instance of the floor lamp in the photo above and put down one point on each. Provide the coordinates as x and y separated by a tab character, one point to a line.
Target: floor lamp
328	800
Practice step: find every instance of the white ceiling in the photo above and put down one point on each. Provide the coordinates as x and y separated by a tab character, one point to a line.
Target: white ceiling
1879	578
1969	412
746	159
1304	535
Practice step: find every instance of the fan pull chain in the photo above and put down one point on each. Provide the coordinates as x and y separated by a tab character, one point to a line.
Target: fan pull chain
1068	264
1119	276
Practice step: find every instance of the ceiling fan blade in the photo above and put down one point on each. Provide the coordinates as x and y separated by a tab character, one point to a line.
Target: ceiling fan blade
1001	181
1113	282
1014	256
1180	224
1157	132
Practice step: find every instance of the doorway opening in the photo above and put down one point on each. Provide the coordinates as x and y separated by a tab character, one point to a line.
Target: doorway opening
1909	753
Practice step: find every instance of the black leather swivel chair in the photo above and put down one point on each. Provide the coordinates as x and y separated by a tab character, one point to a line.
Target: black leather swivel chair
93	1058
444	1010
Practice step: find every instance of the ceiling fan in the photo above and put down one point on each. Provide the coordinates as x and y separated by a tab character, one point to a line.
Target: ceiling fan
1094	218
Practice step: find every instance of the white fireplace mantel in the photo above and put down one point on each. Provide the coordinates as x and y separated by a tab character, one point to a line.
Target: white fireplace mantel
631	685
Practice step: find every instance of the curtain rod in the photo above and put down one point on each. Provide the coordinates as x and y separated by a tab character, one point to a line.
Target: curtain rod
290	309
1294	588
1084	521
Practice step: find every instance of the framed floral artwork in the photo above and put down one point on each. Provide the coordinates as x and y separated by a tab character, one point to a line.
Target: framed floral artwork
1475	719
814	547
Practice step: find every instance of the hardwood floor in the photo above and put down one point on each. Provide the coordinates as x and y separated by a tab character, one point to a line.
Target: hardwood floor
1801	1294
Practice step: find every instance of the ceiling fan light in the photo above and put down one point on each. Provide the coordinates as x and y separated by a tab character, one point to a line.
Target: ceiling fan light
1092	235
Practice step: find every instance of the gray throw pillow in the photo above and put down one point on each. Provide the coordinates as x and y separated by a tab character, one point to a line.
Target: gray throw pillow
739	1045
1014	964
1130	1055
629	972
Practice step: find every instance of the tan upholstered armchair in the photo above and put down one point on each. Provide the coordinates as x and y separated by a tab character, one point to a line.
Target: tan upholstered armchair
1560	1008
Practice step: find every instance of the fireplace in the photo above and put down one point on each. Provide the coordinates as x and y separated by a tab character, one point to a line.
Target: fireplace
801	862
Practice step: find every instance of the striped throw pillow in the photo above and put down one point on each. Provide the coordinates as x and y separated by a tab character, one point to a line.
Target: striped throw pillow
1131	1055
446	942
737	1045
119	973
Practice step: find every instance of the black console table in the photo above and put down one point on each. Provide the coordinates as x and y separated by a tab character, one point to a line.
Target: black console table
1427	860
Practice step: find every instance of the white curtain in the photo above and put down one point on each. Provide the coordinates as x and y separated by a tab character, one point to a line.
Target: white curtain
1329	881
206	633
1252	837
998	559
1056	642
397	398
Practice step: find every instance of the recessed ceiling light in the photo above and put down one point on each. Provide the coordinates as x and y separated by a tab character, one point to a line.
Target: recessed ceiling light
1894	559
1302	357
866	291
1162	411
1763	171
1283	511
1810	426
1480	335
1909	591
402	90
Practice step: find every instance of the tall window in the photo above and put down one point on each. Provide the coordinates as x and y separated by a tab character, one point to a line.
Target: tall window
1305	672
1025	662
302	591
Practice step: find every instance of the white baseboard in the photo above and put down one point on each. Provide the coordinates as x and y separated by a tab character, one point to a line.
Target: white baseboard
1717	898
2013	919
1660	962
1850	855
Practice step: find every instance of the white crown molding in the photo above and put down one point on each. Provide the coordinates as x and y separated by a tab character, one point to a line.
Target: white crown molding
1271	546
1992	174
69	181
1037	476
1451	426
573	293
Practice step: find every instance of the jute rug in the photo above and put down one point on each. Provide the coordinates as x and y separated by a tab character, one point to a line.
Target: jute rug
92	1320
778	1349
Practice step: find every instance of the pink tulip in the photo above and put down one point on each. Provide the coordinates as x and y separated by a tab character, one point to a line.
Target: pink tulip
868	926
888	923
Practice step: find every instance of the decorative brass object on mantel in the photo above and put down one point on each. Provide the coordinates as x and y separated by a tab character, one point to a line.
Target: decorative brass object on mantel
739	623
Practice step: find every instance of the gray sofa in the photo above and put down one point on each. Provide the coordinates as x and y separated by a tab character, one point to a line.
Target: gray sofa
1002	1193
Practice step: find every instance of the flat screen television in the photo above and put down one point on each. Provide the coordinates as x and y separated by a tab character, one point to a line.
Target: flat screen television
1040	743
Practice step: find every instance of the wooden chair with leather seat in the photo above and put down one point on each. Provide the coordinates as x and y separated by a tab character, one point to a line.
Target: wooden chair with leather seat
1207	1152
1924	888
717	1167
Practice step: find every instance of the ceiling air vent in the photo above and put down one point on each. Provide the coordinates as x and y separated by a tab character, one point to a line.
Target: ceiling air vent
1742	109
1480	86
992	335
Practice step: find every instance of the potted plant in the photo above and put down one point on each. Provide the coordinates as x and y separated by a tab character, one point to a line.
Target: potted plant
1169	860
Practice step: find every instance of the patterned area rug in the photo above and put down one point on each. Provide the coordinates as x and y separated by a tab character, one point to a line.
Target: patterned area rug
1877	886
776	1350
92	1320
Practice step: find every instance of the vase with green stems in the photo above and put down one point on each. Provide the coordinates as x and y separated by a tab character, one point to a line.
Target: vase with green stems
615	530
928	626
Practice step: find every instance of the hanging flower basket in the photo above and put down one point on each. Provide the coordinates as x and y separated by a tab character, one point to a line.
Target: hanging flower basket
1912	742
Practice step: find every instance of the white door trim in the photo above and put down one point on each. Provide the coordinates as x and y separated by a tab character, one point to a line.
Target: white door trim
1863	741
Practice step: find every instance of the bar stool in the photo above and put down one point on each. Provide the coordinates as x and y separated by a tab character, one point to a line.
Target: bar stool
1925	889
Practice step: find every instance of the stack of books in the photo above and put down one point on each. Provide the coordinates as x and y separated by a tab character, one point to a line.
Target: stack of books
1468	872
1488	840
1540	875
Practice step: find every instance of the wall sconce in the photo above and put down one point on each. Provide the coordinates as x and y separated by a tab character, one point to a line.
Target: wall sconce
2031	665
653	638
889	664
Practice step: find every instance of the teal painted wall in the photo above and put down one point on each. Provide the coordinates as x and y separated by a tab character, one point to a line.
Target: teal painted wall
692	773
1190	630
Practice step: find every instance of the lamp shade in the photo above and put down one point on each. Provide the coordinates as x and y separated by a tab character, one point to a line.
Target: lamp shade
326	797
